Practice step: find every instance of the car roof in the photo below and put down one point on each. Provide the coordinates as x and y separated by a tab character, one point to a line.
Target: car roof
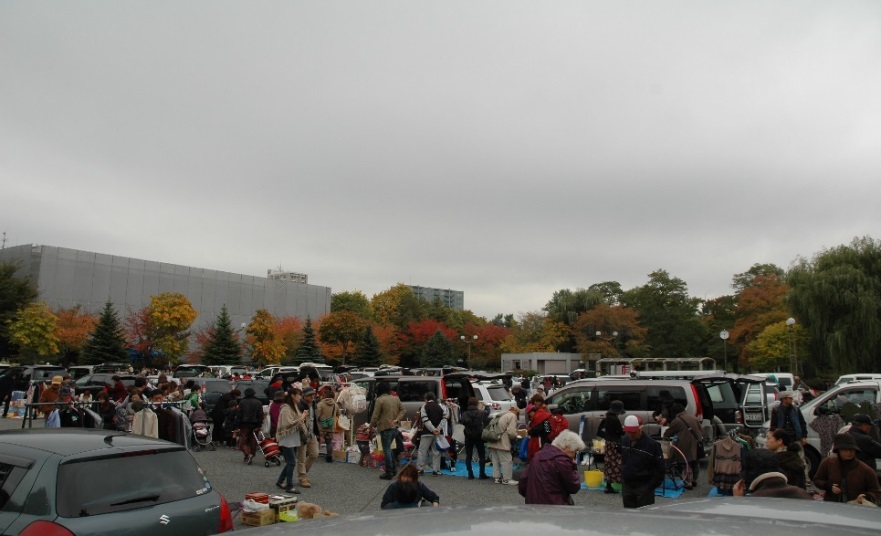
75	441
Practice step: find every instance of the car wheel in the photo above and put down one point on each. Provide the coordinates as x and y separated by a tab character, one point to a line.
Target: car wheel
812	461
266	463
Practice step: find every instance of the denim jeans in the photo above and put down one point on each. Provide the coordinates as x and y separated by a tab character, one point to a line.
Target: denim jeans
387	436
290	465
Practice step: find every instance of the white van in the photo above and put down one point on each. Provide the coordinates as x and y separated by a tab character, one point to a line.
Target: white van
850	378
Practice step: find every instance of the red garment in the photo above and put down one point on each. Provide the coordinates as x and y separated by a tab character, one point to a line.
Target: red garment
537	441
118	392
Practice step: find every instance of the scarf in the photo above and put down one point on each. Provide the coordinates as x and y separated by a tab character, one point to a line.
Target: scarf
289	419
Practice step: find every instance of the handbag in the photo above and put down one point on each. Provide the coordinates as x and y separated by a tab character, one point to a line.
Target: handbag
343	424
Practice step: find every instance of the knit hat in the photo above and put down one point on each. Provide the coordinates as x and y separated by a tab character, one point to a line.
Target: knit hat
844	441
617	407
632	424
786	394
861	418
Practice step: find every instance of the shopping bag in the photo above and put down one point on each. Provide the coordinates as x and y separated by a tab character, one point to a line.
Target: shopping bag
441	443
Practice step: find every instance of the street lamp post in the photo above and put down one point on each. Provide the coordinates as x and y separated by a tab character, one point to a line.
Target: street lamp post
793	359
724	336
468	342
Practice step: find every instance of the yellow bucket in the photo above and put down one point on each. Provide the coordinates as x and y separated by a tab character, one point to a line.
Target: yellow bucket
593	479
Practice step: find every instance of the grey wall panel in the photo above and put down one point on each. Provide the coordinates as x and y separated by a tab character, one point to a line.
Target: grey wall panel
83	276
234	293
267	292
134	290
119	280
101	279
63	263
151	281
209	290
246	295
195	280
166	277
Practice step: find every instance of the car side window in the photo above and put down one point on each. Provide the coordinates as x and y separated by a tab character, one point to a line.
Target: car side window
572	401
657	396
415	391
630	397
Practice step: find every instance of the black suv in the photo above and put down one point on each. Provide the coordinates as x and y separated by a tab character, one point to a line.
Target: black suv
95	383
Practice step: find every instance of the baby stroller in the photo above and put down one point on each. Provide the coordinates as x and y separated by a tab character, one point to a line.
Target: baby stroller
269	448
201	430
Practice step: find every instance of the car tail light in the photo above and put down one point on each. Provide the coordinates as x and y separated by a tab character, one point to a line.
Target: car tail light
45	528
226	522
496	405
698	410
738	417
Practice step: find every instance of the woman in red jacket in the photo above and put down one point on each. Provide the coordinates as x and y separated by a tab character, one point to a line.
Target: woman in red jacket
539	426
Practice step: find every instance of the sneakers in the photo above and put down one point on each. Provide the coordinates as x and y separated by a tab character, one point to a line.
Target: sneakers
510	482
497	481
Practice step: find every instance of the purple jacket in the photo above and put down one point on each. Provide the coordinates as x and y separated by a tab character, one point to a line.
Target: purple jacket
551	478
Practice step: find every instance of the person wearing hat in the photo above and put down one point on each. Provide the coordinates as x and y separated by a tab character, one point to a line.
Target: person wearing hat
788	417
612	431
250	419
308	452
843	477
861	430
274	410
762	477
642	465
50	394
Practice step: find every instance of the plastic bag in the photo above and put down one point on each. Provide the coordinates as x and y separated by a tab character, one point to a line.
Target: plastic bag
250	505
441	443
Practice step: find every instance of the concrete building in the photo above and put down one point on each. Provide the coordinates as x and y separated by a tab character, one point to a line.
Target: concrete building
543	362
454	299
287	277
68	277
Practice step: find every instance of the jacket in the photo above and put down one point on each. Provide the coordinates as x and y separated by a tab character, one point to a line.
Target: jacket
539	430
327	409
389	501
792	466
796	413
508	423
250	412
474	420
774	485
386	410
146	423
854	477
687	429
551	478
642	461
869	448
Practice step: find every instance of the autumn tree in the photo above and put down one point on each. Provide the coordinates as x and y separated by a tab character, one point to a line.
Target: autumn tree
412	342
772	348
836	297
485	350
74	326
106	343
759	305
353	302
222	348
565	306
342	329
397	306
620	333
367	353
535	332
171	315
15	294
142	335
34	331
289	330
438	352
669	315
265	344
308	350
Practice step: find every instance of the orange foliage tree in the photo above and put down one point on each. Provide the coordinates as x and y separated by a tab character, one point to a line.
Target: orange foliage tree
73	328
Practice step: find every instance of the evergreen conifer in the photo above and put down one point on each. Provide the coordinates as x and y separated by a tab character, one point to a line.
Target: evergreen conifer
106	344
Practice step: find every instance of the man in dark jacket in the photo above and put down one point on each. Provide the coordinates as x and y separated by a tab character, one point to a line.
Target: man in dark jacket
789	417
552	476
642	465
250	419
474	419
861	430
762	478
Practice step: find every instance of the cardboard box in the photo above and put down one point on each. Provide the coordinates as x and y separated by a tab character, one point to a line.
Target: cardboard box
282	503
339	456
353	456
259	519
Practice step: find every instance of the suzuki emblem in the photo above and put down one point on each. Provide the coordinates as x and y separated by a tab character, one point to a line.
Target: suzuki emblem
164	520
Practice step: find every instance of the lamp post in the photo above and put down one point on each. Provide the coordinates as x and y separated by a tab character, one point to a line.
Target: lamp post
468	342
724	336
793	359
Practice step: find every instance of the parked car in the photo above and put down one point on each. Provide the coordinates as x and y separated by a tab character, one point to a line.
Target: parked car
850	378
69	481
212	388
33	373
411	390
590	400
843	400
259	387
739	400
78	371
95	383
494	395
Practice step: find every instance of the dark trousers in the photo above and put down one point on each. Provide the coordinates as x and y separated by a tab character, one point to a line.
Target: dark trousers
470	445
387	436
636	494
290	466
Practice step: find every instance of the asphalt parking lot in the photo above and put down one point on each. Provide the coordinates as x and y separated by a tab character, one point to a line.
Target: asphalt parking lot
348	489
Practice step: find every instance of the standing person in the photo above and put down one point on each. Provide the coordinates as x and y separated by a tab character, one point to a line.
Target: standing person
788	454
7	385
788	417
474	419
407	491
107	410
117	391
308	452
500	451
519	396
218	414
433	418
230	422
868	450
552	477
642	465
689	439
288	433
278	400
327	415
612	432
539	426
843	477
250	419
762	478
387	413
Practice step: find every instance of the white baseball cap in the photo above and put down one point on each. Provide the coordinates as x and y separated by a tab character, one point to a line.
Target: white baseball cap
632	423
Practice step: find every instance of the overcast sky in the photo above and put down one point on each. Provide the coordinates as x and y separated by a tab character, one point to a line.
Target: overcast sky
506	149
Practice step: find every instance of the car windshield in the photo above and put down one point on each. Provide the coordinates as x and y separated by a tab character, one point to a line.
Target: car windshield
143	479
498	393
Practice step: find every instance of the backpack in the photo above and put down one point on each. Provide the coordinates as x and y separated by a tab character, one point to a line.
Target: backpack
492	432
558	424
473	423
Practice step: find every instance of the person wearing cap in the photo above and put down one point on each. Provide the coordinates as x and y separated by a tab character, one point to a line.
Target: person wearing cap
50	394
500	451
843	477
788	417
689	438
642	465
308	452
552	476
869	449
612	431
762	477
250	418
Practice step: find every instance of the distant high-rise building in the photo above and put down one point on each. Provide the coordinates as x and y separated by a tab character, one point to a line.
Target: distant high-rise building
454	299
287	277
